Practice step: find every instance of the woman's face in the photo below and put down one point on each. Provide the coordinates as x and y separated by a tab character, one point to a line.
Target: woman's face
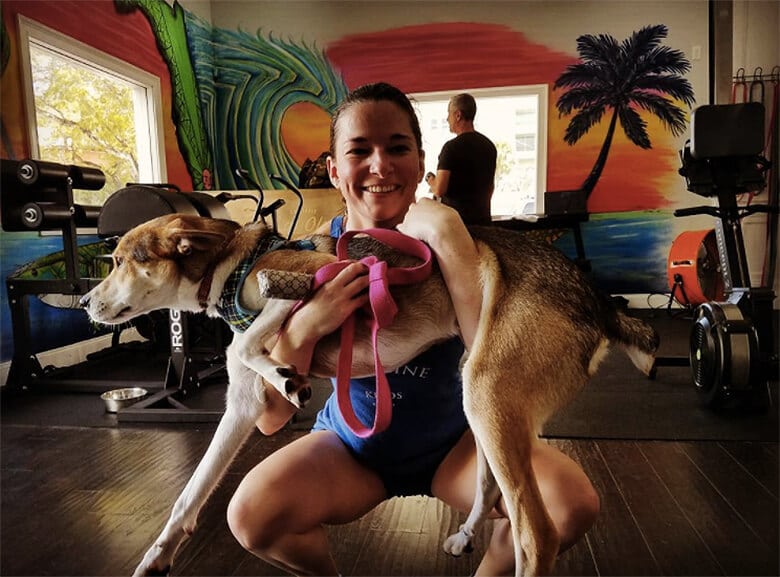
376	164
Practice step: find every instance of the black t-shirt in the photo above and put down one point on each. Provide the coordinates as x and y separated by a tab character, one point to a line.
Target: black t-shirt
471	160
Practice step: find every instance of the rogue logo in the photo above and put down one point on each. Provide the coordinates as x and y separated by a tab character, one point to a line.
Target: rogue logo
177	331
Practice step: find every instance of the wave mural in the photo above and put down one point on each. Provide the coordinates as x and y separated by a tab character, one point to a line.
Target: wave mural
254	91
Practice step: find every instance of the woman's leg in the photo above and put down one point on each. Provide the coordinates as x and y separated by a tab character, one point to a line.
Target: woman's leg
279	509
568	494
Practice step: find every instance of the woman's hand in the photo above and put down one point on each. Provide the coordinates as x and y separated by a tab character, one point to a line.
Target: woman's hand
431	222
332	304
325	312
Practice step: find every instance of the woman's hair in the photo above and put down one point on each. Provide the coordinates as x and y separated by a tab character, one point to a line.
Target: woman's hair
377	92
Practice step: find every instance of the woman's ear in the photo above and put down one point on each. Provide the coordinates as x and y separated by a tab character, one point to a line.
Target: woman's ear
421	168
333	172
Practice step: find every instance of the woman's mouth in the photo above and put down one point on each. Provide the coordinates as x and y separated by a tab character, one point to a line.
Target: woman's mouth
381	189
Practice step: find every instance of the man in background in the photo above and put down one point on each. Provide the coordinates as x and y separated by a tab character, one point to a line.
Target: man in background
467	164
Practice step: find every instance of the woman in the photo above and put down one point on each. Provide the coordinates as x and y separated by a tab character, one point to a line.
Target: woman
329	476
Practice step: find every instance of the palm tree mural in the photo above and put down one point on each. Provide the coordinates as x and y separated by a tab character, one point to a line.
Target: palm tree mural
624	77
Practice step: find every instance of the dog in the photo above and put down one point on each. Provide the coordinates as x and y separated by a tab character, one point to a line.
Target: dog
542	333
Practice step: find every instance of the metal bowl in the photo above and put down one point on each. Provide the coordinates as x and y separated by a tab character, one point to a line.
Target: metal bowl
121	398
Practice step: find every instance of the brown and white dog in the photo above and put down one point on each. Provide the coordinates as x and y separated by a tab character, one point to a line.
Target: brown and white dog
542	332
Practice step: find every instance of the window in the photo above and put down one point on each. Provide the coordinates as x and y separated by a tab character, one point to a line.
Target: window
90	109
515	119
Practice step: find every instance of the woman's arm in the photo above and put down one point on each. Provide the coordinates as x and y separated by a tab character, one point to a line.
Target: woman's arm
442	228
327	310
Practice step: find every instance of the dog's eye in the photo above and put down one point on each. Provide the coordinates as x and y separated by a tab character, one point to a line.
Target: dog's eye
118	260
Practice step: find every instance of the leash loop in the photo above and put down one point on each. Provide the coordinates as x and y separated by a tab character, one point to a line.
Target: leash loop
383	311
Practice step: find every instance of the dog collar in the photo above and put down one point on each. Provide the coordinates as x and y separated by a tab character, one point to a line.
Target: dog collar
228	306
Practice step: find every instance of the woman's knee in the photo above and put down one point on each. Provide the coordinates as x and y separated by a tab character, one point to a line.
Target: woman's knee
571	499
578	516
249	526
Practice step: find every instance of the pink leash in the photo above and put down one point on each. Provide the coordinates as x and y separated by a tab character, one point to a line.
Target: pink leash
383	309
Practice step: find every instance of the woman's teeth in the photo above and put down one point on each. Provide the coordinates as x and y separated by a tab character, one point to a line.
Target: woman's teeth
381	189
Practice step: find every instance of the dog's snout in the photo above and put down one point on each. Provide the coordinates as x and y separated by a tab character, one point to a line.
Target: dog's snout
84	301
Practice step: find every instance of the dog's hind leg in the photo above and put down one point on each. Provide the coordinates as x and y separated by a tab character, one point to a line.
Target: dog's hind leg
243	408
507	438
486	497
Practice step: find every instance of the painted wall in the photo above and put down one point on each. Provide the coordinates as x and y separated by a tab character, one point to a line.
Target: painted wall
262	78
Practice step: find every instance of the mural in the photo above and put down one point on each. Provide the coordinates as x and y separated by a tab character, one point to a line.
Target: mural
267	102
251	100
634	74
168	25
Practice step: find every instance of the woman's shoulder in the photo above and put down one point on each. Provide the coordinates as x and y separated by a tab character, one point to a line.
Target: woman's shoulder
333	228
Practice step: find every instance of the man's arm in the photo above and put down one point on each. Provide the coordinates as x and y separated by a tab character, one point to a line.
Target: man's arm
441	184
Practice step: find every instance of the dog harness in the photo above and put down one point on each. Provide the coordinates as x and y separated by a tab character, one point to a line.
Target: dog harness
228	306
383	311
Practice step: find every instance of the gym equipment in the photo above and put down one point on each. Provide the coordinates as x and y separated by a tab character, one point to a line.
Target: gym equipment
732	354
693	268
188	365
38	196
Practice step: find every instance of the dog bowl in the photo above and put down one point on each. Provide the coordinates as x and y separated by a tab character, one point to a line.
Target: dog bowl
121	398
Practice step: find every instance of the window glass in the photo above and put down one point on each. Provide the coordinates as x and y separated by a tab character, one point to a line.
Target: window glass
91	110
514	118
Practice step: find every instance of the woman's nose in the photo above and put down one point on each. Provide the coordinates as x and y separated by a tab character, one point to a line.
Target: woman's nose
381	163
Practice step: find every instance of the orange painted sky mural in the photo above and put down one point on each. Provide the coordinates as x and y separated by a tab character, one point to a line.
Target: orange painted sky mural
449	56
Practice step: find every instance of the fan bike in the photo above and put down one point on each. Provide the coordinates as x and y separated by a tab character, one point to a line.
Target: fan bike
731	342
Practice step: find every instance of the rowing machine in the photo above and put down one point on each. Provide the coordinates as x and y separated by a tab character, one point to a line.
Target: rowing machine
731	353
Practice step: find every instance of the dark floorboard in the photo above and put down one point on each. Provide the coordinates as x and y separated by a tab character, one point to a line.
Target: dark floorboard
89	501
83	494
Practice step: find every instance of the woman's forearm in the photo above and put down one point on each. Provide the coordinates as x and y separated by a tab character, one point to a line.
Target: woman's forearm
442	228
294	346
458	260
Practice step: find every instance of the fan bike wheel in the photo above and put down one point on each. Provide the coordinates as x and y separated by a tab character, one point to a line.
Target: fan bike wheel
723	354
693	268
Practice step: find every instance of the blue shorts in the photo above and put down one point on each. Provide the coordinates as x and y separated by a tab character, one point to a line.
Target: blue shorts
412	477
427	420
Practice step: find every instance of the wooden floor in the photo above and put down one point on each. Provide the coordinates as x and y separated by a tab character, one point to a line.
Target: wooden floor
89	501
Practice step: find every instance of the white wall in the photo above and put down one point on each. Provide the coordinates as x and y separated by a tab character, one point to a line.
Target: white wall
757	44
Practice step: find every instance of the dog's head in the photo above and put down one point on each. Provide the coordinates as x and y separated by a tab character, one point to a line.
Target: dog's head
158	264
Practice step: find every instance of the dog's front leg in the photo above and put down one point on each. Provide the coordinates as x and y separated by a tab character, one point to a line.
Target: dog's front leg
487	495
244	406
252	352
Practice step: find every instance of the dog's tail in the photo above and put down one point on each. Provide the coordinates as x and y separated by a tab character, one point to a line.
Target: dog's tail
638	338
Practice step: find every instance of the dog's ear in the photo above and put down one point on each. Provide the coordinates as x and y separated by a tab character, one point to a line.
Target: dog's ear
186	240
189	241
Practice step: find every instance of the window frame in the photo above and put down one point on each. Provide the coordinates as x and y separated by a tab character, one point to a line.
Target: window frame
153	139
541	91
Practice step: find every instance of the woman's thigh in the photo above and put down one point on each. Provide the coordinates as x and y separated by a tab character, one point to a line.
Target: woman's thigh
311	481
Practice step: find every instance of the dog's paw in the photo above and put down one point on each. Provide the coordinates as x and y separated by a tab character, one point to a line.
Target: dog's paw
143	570
458	544
294	386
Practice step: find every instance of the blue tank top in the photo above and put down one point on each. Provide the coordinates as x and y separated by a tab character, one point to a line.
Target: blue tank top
428	416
